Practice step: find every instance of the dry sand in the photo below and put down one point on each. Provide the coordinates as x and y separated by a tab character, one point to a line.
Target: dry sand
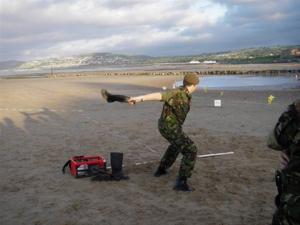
43	122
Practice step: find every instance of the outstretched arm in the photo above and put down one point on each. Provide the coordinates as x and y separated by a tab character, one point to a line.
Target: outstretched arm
149	97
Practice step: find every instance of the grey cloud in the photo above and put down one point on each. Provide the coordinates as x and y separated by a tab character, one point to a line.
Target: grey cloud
246	24
260	12
113	4
253	23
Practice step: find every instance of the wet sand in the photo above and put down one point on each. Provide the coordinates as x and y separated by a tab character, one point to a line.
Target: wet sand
43	122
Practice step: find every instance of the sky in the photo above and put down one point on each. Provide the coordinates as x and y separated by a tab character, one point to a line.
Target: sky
35	29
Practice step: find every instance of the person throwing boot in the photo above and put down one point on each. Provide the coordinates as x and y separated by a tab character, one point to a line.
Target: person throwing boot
176	107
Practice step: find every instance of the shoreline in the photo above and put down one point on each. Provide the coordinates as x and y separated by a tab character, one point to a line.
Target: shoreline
158	82
279	69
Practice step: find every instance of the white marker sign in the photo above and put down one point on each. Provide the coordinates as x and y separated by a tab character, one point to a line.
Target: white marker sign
217	103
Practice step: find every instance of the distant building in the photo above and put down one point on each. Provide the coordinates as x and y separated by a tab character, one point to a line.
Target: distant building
194	62
210	62
295	52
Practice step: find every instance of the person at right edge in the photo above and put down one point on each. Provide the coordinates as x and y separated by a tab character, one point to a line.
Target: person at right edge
285	137
175	109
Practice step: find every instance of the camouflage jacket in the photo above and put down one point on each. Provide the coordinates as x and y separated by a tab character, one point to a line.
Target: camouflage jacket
286	137
293	150
176	107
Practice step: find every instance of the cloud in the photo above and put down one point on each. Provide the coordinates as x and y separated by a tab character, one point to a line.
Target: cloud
122	42
42	28
251	23
247	11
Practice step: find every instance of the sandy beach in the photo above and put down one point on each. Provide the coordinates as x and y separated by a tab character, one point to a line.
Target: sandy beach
43	122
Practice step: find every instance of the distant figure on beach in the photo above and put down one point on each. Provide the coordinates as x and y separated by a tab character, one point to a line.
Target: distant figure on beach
285	137
176	107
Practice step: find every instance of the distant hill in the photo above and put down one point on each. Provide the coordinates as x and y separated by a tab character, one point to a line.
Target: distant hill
276	54
11	64
88	60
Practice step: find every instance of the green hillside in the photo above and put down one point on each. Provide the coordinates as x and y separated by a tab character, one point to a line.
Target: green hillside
276	54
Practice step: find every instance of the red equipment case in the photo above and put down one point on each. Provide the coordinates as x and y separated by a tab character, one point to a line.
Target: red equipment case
82	165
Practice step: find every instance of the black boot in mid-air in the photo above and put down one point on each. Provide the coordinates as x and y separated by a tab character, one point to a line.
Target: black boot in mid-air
114	98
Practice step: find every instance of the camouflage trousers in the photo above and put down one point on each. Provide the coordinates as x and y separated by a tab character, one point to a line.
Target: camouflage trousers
179	143
289	211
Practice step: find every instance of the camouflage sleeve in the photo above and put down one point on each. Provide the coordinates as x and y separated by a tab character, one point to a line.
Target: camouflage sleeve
297	139
165	96
272	141
294	152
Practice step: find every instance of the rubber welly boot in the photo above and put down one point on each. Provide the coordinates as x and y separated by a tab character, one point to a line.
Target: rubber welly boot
181	185
113	98
116	162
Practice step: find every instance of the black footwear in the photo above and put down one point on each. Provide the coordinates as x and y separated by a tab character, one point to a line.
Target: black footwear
116	162
159	172
181	185
114	98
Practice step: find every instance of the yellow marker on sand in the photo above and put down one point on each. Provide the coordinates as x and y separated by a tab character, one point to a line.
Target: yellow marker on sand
270	99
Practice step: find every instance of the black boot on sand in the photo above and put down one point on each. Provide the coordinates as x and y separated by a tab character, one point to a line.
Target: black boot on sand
160	171
181	185
116	161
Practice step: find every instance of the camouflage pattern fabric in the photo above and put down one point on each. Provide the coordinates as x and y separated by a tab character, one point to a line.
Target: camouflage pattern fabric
288	205
289	213
176	107
175	110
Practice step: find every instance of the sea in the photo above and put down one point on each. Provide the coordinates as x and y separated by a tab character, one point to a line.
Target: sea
247	82
212	82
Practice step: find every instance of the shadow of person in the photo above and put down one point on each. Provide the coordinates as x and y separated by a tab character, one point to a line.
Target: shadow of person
11	142
9	132
34	123
42	116
51	134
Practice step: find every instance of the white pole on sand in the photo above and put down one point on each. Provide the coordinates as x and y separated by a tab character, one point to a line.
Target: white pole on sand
198	156
215	154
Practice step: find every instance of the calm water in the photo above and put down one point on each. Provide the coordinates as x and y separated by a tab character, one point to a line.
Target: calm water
228	82
247	82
